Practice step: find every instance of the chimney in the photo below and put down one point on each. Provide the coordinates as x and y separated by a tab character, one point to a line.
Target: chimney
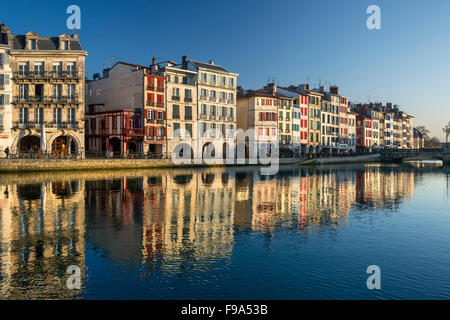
271	87
334	90
184	62
75	36
153	61
322	88
307	86
211	62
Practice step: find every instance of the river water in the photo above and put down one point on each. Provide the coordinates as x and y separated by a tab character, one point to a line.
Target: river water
227	233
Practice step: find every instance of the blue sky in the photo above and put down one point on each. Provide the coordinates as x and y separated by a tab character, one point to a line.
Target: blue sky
407	62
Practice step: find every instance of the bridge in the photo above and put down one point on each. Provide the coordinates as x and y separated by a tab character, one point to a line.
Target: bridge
415	154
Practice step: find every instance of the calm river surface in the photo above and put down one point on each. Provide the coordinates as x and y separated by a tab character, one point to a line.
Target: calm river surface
306	233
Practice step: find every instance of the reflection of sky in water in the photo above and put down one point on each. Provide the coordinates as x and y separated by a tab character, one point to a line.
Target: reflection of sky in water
308	233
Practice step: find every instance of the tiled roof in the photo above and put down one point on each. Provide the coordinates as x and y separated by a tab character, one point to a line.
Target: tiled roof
44	43
208	66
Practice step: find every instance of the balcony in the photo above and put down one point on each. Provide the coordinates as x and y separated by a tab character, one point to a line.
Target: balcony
2	86
46	100
212	117
204	98
212	99
151	88
203	116
221	118
176	98
230	118
231	101
150	103
159	121
160	89
222	100
31	75
134	132
187	99
160	104
186	117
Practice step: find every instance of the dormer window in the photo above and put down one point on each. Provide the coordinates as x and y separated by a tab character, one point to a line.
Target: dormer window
32	44
65	45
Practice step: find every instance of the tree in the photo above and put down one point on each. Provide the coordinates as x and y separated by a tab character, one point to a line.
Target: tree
424	131
447	131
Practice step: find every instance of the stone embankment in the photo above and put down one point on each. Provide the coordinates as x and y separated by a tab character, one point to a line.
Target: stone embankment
31	165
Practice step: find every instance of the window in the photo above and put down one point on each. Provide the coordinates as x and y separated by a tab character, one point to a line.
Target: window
23	115
23	92
57	92
188	94
188	127
71	68
65	45
71	115
57	116
57	69
204	77
39	69
175	111
71	92
176	130
222	81
24	68
39	116
32	44
1	122
188	113
176	92
213	79
231	82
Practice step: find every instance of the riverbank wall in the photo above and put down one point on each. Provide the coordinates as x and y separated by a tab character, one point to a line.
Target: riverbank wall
343	160
32	165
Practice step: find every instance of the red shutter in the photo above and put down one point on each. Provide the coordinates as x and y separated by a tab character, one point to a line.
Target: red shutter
164	115
165	132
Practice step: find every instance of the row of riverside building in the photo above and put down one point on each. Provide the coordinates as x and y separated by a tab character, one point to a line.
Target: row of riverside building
48	106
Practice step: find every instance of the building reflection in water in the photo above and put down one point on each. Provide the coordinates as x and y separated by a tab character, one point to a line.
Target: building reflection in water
41	234
166	221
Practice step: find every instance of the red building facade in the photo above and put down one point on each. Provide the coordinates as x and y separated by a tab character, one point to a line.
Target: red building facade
364	132
155	124
120	130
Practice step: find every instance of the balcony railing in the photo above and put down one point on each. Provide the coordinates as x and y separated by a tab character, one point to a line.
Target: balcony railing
160	89
160	104
160	121
205	98
222	100
47	124
212	117
203	116
231	101
46	74
187	99
151	103
134	132
46	99
212	99
175	98
151	88
187	117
